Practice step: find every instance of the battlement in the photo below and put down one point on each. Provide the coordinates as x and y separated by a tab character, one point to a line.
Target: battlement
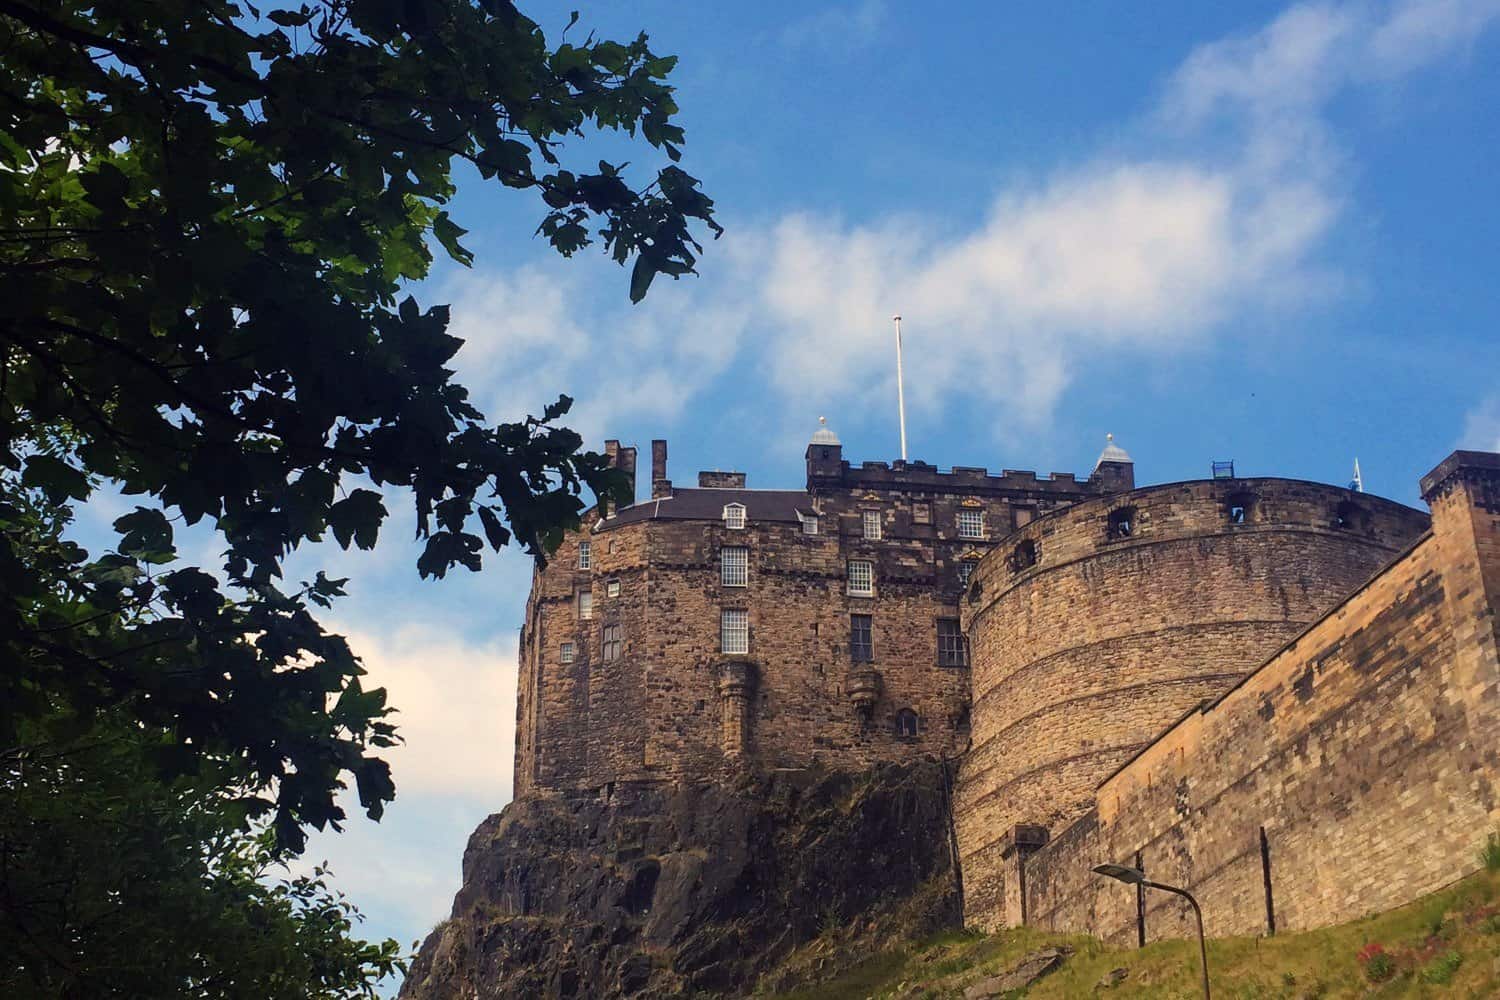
923	477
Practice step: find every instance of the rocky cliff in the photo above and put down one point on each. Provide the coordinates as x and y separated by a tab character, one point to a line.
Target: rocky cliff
693	890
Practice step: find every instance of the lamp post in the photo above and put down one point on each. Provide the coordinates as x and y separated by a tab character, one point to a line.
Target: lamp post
1134	876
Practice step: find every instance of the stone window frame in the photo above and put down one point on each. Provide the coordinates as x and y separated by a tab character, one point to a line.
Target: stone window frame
921	512
1026	554
567	652
870	519
861	638
734	624
611	642
809	523
908	724
860	574
585	555
1242	507
970	522
731	575
612	588
1021	515
734	516
952	645
585	605
966	571
1124	522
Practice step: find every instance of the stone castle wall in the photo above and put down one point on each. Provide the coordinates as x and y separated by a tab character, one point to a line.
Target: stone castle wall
1138	607
1356	770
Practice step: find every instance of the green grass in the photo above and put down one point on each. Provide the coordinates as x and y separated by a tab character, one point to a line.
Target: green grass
1446	944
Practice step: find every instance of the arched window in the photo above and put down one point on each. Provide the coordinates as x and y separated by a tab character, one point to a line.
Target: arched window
1122	522
907	723
1241	508
1024	555
1350	516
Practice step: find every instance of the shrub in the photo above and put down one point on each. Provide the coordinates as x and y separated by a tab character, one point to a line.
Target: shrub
1378	965
1442	969
1489	854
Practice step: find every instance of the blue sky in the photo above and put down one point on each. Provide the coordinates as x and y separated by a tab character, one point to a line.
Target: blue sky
1218	231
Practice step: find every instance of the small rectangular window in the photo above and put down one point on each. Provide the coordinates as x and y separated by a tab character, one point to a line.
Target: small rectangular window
734	516
953	649
861	578
862	638
970	523
809	523
872	525
1022	516
613	644
585	604
583	555
734	566
612	588
566	652
965	570
921	512
734	630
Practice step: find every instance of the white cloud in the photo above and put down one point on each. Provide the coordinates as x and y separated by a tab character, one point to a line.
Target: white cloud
1151	252
839	28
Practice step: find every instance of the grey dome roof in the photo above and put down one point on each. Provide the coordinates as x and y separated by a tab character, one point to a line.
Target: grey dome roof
823	435
1113	453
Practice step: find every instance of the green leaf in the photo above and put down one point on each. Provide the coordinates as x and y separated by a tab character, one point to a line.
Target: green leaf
55	478
357	518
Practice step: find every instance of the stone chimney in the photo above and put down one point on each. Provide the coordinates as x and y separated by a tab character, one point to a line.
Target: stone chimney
661	486
624	460
721	480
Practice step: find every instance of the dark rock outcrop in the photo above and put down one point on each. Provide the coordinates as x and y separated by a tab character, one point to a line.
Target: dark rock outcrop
690	890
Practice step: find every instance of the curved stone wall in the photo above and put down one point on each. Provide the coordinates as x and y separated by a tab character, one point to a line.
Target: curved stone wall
1096	627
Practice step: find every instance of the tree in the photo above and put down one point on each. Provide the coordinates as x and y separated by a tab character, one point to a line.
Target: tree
207	213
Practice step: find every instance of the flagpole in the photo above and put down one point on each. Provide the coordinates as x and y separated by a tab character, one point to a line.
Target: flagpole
900	387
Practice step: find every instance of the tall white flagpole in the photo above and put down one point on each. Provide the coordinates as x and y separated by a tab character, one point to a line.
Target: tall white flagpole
900	388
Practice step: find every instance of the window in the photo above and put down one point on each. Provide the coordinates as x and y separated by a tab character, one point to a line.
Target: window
966	570
1024	556
566	652
734	566
952	649
734	630
921	512
1022	516
1351	517
970	523
907	723
612	588
583	555
809	523
861	578
872	525
585	604
1241	507
734	516
1122	522
613	644
862	638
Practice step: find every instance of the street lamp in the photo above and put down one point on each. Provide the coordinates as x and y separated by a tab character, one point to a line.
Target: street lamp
1134	876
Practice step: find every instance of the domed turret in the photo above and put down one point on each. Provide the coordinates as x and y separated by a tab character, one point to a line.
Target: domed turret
823	435
1112	453
1115	469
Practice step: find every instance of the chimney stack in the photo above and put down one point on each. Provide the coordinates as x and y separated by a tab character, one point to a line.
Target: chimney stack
661	486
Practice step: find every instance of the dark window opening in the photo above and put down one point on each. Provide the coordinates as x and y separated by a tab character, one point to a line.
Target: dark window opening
1241	507
952	647
862	638
907	723
1024	555
1351	517
1122	522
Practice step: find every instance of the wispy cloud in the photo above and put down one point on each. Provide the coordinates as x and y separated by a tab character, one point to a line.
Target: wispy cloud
838	28
1482	426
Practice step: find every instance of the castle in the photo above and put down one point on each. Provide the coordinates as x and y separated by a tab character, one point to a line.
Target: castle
1221	681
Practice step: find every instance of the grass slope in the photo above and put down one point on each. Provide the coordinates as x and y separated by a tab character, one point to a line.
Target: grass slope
1444	945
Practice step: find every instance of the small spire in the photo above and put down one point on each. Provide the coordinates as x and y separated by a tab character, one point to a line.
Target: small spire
1357	484
1112	453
